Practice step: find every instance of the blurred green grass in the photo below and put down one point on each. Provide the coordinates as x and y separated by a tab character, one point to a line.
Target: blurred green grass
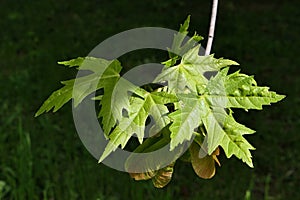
43	158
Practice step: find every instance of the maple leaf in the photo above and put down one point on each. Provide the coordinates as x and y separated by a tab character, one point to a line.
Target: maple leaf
151	103
190	102
104	71
190	72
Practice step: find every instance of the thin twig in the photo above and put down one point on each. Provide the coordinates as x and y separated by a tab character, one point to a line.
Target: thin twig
212	27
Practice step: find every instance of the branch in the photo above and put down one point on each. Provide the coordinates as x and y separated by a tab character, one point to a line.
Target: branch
212	27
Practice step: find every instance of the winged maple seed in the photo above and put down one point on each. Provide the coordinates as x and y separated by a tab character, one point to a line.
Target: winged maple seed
204	166
189	101
160	178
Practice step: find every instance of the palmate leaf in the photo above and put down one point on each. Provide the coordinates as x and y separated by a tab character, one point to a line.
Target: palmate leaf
209	109
104	71
188	104
190	72
239	91
149	104
221	128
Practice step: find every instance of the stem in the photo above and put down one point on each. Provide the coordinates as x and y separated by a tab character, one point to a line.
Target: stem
212	27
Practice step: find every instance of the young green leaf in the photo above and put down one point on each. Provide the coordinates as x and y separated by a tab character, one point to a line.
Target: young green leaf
222	130
185	119
178	47
108	81
239	91
190	72
81	87
190	102
151	104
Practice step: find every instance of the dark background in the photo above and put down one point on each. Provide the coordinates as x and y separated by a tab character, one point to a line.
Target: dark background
43	158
